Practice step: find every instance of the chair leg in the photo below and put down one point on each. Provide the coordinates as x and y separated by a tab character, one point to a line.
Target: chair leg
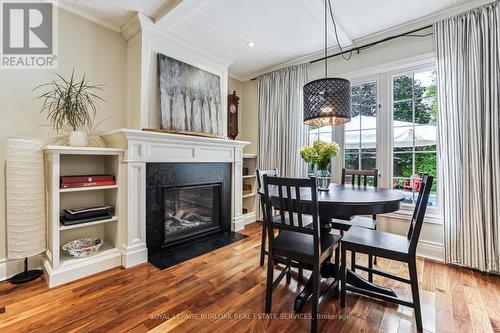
263	243
337	277
301	275
269	283
412	267
315	298
353	261
343	277
370	266
289	274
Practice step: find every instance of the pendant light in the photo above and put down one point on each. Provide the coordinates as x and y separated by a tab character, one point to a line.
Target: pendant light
327	101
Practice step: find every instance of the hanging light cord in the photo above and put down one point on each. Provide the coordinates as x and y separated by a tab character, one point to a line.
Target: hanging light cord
326	43
336	34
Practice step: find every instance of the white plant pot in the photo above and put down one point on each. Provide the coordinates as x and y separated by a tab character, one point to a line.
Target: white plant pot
79	139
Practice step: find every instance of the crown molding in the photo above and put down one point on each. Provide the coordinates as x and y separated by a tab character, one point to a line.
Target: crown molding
131	27
82	13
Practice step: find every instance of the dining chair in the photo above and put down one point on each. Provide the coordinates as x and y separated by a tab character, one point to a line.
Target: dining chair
260	183
358	177
297	242
390	246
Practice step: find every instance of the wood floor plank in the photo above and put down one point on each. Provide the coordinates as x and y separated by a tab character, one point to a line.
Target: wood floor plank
223	291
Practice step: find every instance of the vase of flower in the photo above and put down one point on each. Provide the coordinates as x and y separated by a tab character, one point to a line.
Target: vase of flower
323	179
320	155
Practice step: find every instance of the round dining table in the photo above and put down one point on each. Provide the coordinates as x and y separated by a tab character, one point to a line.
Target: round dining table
344	201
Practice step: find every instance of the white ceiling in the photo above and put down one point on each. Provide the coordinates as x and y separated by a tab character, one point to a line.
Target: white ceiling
283	30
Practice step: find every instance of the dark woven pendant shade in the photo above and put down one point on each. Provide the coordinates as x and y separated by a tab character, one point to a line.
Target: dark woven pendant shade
327	102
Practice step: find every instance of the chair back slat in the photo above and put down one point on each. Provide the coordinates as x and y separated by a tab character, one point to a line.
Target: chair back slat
292	204
282	205
417	219
298	205
360	176
260	182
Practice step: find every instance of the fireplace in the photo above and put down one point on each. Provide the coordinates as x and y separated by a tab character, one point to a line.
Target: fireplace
186	202
190	210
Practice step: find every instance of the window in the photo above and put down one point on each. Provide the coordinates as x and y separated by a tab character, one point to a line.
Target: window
360	134
391	109
414	132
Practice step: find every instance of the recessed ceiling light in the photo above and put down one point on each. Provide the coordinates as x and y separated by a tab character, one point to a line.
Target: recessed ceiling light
251	44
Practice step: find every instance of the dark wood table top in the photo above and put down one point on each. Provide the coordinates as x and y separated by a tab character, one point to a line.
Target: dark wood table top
348	200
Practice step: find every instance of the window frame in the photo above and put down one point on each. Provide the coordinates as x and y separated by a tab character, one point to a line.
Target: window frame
434	210
360	81
383	76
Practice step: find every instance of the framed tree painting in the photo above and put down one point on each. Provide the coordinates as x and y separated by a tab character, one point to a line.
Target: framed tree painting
190	99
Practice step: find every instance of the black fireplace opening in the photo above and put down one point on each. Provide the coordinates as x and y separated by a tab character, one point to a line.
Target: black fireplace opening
186	203
190	211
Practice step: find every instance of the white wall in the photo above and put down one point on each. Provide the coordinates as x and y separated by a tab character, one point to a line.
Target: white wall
389	52
84	46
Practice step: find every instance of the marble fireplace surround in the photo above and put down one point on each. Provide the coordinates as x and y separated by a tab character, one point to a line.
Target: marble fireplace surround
146	147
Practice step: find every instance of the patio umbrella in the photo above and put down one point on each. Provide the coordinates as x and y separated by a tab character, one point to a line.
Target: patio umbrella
404	133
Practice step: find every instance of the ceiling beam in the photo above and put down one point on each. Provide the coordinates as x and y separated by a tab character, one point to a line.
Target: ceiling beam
174	10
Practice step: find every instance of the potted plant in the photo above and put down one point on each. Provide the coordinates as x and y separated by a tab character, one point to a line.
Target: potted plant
320	155
71	105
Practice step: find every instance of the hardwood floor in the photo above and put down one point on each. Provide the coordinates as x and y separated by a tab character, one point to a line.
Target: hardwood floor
223	291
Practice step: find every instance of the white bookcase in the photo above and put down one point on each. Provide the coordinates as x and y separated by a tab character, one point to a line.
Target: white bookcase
70	161
251	198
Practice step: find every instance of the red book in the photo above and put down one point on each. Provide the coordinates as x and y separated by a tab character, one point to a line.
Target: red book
89	184
86	179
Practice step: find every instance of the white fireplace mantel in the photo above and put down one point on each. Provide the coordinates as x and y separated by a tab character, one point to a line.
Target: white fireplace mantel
146	147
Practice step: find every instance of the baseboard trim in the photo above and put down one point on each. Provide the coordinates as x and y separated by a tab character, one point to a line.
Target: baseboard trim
430	250
10	267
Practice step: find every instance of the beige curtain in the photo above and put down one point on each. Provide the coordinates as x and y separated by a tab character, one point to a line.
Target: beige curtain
280	117
468	61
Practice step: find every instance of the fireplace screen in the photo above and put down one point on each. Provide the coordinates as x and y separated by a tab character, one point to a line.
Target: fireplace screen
191	210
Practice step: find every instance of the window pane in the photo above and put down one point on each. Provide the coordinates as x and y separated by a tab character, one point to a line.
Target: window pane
313	137
403	138
426	110
364	94
417	186
403	113
361	132
425	163
352	140
355	110
402	87
352	161
325	137
403	165
427	148
425	137
425	84
368	161
369	140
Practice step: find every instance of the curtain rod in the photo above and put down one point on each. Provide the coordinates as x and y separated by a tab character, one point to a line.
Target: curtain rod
362	47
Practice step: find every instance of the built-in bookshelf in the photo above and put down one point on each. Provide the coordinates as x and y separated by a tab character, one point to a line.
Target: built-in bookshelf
71	161
250	196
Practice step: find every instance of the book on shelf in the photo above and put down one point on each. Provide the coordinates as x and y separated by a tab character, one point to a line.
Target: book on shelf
90	219
89	184
86	179
88	214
